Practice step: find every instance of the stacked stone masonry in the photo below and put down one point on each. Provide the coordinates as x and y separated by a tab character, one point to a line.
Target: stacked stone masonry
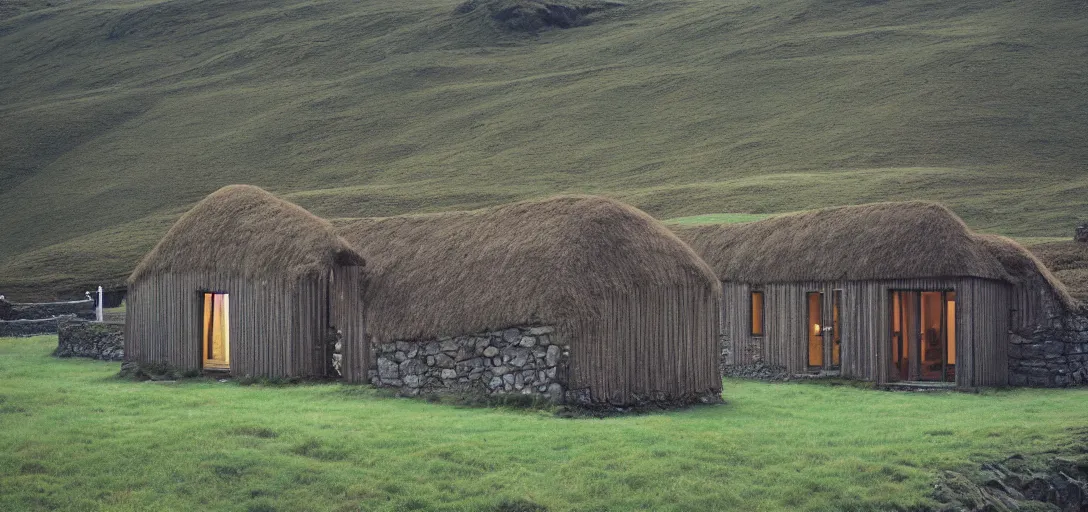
1055	355
17	311
21	328
520	360
105	341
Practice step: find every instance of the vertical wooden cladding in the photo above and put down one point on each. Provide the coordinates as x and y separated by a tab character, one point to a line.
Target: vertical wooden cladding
347	316
983	309
659	343
277	326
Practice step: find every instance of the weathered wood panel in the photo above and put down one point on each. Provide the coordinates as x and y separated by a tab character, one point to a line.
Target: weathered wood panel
983	319
348	315
277	327
659	343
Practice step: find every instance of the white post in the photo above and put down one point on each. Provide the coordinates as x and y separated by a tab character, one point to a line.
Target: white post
98	309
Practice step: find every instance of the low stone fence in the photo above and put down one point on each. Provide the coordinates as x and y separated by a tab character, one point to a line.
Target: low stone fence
22	328
520	360
18	311
77	338
1052	356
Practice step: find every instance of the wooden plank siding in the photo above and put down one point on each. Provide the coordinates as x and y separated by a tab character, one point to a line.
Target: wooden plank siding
983	315
347	315
654	343
277	327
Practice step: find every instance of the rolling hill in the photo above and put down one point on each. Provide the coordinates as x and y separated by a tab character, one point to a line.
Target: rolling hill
115	115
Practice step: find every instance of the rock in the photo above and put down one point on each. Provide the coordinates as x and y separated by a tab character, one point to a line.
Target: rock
388	370
495	383
444	361
412	367
400	356
467	352
511	335
449	374
500	370
552	357
449	346
519	358
491	352
432	348
537	331
413	381
555	393
528	341
508	379
403	346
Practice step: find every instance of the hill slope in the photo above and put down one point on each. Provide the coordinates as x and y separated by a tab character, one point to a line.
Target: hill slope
116	115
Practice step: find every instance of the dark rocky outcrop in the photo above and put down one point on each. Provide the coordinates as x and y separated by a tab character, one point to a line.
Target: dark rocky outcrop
1017	483
532	16
1082	234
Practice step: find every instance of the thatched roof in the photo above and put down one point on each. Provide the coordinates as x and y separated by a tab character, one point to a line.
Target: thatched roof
1069	262
242	229
534	262
903	240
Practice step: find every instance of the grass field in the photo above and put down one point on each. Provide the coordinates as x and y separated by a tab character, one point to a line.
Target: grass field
115	115
73	437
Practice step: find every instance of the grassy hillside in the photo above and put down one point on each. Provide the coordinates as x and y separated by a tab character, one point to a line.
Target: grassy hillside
116	114
205	445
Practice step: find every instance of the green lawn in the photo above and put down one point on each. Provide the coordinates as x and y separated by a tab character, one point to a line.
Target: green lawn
72	437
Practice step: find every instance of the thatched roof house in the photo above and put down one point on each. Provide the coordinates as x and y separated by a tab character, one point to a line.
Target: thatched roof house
244	282
633	305
885	292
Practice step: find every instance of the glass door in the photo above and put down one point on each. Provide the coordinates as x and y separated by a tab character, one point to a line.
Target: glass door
924	335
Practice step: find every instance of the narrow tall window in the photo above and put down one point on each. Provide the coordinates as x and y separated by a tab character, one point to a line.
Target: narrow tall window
815	329
757	313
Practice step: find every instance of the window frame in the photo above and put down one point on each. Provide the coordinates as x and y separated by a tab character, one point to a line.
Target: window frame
752	313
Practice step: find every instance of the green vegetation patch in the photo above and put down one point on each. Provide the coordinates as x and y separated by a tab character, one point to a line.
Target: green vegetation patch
83	440
116	116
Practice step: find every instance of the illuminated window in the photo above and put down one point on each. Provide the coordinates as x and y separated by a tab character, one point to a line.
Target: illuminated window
216	327
757	313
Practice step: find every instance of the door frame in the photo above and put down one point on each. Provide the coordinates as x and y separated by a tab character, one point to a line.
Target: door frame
202	298
913	337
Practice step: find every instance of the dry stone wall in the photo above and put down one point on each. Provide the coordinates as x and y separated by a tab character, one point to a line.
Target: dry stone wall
105	341
21	328
518	360
1055	355
17	311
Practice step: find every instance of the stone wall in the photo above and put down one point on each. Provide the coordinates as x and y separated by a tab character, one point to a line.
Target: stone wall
17	311
20	328
77	338
1055	355
519	360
